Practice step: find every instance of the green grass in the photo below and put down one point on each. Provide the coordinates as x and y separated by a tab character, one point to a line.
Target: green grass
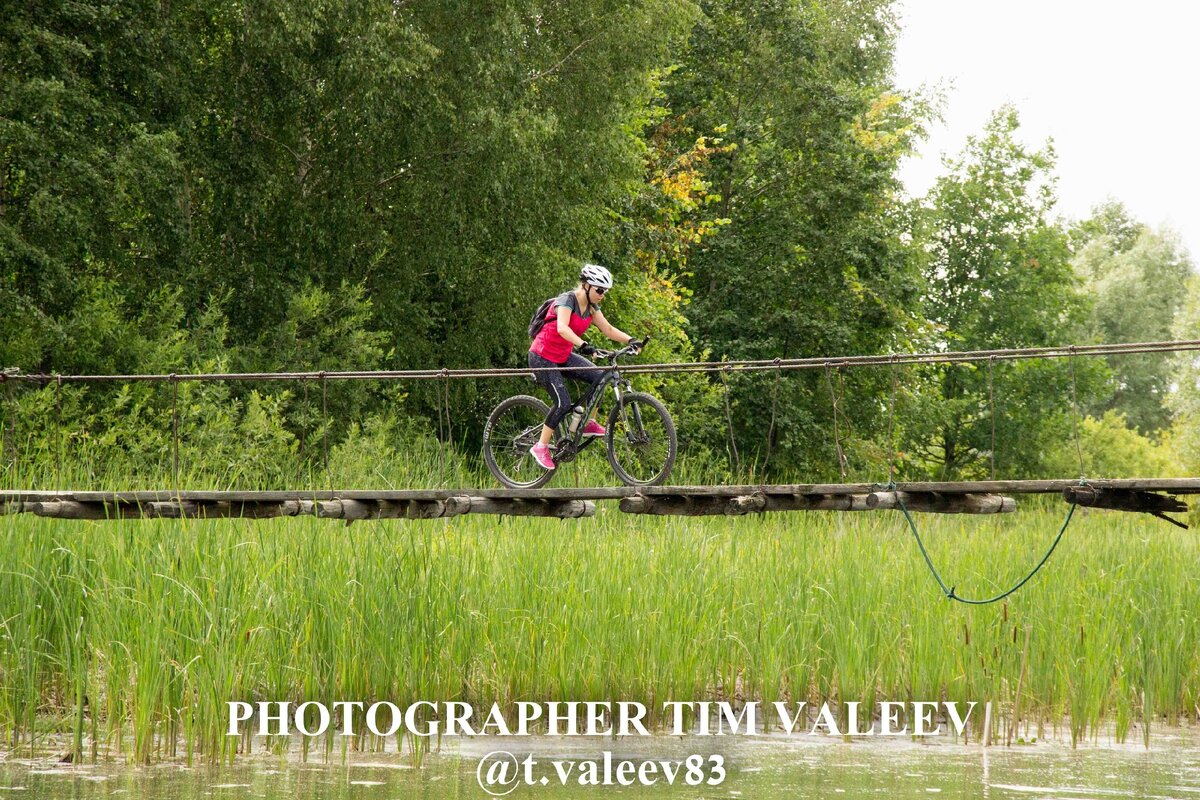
159	623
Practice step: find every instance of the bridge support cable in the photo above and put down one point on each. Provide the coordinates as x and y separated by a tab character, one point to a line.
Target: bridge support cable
818	362
949	591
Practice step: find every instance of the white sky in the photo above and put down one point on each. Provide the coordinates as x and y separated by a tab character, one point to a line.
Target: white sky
1115	84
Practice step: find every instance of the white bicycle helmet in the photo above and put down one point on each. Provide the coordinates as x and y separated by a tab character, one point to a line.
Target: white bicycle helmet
596	275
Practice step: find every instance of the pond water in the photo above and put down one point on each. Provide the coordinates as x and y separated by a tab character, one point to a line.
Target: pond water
759	767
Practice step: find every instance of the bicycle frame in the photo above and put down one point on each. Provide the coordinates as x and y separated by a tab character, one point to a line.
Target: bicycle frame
568	443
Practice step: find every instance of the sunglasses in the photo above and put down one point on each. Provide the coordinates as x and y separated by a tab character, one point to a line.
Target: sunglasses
600	290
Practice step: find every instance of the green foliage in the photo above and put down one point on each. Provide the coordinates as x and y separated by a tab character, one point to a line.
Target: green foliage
998	276
1111	448
1137	280
810	260
229	434
127	439
1185	399
325	331
396	451
1110	220
328	186
84	178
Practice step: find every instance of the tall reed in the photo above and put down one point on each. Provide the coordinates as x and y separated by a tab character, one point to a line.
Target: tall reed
134	634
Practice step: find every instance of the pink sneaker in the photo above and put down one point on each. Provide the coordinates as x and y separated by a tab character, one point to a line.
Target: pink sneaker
541	454
593	428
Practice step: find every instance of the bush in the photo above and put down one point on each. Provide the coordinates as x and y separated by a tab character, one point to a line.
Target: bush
1112	449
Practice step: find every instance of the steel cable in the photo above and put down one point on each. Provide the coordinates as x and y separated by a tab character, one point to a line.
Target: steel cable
1062	351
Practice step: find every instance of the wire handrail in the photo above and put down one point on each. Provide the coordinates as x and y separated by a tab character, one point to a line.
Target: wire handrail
813	362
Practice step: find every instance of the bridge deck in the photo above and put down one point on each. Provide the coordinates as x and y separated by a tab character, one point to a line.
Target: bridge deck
969	497
1169	485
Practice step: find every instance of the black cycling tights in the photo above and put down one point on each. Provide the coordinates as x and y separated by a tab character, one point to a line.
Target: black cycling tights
554	381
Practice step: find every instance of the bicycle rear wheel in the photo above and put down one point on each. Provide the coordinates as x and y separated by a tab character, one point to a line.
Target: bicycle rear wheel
512	429
641	440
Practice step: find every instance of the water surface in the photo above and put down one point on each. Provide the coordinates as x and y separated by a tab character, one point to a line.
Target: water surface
762	767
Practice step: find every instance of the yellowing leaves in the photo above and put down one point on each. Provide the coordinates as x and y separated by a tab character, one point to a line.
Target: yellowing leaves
678	191
886	126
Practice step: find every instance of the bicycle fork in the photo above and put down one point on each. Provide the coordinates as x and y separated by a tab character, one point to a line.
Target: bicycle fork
635	432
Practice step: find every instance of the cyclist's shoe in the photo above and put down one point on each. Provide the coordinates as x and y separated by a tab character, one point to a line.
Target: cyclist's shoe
593	428
541	454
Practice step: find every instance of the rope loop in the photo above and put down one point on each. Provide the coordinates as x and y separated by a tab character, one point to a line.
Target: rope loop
325	425
774	409
724	373
174	429
1075	415
992	414
837	442
949	591
58	430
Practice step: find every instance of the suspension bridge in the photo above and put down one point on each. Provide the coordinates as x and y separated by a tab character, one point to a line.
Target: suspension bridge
1156	497
1151	496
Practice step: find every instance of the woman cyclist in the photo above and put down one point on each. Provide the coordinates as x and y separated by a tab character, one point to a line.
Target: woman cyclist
570	315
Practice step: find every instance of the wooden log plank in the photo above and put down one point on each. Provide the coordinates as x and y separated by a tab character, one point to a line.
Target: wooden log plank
355	509
162	509
459	504
939	503
746	504
677	506
820	502
172	509
686	506
433	509
219	509
560	509
712	500
255	510
1122	499
392	509
214	510
339	508
68	509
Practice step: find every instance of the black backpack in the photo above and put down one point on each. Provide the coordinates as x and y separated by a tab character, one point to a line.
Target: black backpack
539	319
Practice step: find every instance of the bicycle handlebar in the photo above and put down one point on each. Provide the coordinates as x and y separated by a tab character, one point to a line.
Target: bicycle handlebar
624	351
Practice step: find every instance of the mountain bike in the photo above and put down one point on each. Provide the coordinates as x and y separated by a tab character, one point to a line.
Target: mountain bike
640	439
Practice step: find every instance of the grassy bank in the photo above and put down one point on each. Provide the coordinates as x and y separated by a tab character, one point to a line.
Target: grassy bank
144	629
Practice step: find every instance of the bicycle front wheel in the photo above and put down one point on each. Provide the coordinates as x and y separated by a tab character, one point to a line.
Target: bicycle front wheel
641	440
512	429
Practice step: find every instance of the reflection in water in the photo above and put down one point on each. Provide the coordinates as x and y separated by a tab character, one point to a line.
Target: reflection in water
760	767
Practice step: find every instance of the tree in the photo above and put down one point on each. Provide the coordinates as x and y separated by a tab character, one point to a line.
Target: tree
86	173
1111	220
811	260
1184	400
999	276
457	161
1136	278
